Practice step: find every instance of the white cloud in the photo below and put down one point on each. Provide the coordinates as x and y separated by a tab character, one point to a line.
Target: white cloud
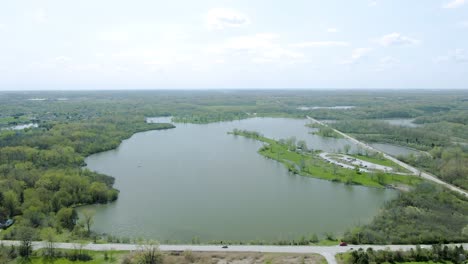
456	55
386	63
356	55
114	36
389	60
372	3
396	39
39	16
259	48
60	62
62	59
332	30
454	4
264	40
318	44
219	18
153	57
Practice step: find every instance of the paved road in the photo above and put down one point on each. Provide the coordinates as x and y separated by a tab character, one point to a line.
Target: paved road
328	252
412	169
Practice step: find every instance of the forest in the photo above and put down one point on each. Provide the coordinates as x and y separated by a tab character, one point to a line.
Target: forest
429	214
43	179
437	254
42	175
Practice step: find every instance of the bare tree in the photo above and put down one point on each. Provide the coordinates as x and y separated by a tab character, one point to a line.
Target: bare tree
49	235
150	253
88	219
347	147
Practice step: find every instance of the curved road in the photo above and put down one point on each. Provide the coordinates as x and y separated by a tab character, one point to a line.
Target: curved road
412	169
328	252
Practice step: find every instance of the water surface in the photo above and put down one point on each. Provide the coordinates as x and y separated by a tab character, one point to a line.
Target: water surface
198	181
395	150
402	122
21	127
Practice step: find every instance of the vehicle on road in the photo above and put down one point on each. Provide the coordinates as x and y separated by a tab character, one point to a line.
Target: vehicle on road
343	244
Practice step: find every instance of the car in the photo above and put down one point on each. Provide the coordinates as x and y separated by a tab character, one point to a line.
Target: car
225	246
343	244
7	223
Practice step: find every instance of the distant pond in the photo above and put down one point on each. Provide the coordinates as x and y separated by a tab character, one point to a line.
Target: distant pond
198	181
21	127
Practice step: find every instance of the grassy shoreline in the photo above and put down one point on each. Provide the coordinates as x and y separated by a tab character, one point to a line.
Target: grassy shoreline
309	164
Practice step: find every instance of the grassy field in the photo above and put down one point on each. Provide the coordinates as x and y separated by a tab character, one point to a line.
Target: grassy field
309	164
98	257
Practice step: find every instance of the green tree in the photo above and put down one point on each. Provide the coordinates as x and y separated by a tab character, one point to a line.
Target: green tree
26	235
49	235
67	218
88	217
302	145
11	202
347	148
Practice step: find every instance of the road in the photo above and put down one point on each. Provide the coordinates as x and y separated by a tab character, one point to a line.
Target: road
412	169
328	252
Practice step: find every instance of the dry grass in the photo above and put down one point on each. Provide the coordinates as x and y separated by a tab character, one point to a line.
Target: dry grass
241	258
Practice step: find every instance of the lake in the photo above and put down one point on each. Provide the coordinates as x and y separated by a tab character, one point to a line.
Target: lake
402	122
199	181
395	150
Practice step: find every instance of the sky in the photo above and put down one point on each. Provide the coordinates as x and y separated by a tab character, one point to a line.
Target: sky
233	44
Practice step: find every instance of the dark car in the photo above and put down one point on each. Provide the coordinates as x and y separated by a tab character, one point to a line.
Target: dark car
343	244
225	246
7	223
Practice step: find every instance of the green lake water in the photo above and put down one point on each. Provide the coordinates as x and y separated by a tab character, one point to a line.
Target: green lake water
198	181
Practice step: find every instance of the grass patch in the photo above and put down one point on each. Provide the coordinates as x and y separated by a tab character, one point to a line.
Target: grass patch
380	161
98	257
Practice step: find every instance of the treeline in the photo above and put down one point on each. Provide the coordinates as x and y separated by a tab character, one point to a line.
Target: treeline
41	174
213	106
456	116
449	164
380	131
437	253
323	131
246	133
429	214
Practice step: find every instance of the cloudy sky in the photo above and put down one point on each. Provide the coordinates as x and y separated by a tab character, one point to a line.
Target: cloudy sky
154	44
